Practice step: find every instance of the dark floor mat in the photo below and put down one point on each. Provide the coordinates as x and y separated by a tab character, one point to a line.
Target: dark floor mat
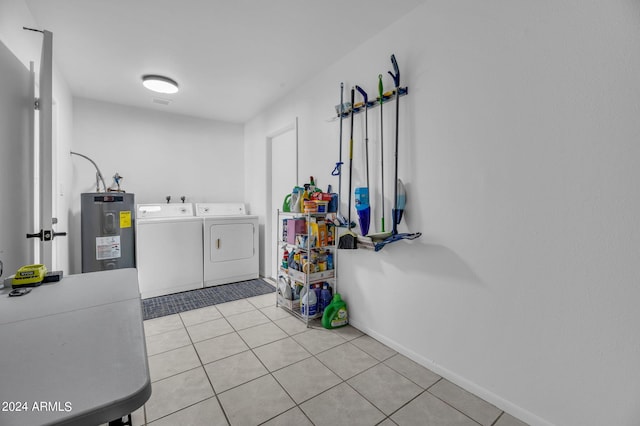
160	306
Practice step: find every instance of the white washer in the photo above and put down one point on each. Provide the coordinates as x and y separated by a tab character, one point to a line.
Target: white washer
168	249
231	250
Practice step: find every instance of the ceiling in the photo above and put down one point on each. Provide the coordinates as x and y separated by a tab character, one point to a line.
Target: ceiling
231	58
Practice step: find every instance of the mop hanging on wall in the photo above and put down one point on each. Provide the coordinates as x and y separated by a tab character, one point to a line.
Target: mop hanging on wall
381	94
399	197
383	234
362	193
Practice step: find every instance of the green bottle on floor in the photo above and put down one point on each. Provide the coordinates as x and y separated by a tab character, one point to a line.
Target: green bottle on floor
335	315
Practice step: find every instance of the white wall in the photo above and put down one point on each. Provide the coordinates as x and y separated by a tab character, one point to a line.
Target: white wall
518	147
15	141
157	153
27	45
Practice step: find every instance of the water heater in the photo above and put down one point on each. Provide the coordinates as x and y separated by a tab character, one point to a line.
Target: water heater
108	231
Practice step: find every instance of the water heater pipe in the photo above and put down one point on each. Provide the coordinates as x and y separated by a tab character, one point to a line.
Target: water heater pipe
98	173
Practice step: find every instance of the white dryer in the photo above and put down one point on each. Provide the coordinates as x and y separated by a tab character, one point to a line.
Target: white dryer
231	243
168	249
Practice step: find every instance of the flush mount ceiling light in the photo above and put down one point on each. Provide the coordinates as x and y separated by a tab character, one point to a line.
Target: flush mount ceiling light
159	84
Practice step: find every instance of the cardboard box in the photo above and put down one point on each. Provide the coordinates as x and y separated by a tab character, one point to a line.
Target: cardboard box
313	278
295	227
319	231
293	305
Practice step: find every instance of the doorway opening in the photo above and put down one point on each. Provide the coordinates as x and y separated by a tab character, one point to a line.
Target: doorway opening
282	176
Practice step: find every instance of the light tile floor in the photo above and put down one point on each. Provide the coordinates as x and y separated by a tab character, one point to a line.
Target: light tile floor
250	363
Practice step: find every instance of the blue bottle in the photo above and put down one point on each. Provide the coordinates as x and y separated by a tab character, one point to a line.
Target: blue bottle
325	296
318	289
330	261
363	209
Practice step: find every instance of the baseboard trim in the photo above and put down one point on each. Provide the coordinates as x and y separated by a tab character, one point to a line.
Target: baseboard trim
492	398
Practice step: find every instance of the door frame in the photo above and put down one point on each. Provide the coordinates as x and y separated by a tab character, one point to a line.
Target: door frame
45	166
270	208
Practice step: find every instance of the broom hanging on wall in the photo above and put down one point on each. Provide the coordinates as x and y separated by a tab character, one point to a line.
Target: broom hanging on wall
349	240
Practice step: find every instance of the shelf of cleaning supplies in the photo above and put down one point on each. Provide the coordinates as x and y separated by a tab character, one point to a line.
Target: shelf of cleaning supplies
304	248
360	107
306	278
300	214
310	278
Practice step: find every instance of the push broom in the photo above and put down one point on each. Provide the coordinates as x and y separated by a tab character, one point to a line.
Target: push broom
349	240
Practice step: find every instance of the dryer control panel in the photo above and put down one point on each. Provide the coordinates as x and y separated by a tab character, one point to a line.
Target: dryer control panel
220	209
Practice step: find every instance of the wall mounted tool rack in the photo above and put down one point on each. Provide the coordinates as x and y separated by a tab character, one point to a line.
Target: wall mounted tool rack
360	106
376	242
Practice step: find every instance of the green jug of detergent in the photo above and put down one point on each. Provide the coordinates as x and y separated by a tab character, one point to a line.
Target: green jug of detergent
286	203
292	202
335	315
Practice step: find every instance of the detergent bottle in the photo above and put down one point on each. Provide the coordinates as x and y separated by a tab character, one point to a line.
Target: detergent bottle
295	200
284	287
335	315
286	204
305	193
297	291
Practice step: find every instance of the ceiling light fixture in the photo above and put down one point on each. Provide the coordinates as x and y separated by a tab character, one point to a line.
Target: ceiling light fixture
159	84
